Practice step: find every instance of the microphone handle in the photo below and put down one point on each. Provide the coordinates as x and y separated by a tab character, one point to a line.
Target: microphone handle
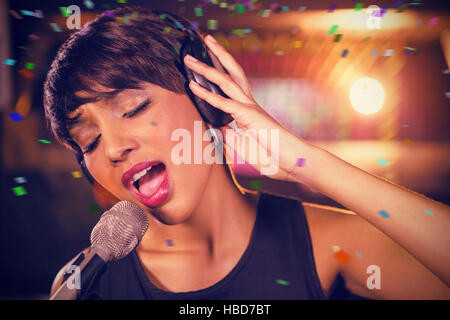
88	270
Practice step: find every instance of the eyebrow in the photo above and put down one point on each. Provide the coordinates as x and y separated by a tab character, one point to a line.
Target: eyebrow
74	121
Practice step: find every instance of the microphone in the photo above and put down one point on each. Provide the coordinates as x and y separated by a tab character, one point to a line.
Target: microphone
115	235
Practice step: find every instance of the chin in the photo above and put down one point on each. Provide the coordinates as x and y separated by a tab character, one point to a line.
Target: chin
176	209
170	218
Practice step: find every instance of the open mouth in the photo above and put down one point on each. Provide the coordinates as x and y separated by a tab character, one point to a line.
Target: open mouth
149	182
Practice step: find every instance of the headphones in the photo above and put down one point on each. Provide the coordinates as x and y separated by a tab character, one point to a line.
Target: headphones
193	44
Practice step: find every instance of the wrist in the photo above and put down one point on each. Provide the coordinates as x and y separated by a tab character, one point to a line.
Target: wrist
308	164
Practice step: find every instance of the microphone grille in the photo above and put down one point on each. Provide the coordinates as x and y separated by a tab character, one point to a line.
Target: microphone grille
120	229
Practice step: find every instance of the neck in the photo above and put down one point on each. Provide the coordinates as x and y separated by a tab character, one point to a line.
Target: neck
223	217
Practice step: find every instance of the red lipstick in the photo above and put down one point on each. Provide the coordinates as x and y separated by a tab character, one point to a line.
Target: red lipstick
151	184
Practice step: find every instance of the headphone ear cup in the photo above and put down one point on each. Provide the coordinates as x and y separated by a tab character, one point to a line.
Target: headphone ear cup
195	46
209	113
204	108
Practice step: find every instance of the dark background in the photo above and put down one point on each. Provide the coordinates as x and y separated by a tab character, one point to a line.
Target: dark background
304	89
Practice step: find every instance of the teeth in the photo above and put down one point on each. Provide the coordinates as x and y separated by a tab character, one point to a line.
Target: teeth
140	174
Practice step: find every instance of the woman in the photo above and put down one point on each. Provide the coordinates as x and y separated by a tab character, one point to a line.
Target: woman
115	94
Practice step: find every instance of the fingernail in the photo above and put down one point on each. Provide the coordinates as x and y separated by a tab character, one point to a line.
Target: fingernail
211	38
191	58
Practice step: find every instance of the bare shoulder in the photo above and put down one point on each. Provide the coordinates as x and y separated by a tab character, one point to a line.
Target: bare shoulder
59	276
400	275
326	229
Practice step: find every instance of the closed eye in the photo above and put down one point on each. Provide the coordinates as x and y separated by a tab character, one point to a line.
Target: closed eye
92	145
140	108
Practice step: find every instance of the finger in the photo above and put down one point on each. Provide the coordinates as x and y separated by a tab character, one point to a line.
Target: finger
227	105
223	80
233	67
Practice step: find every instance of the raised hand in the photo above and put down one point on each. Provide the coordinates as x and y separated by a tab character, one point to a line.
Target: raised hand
277	149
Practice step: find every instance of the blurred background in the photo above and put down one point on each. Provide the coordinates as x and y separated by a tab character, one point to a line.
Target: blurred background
369	84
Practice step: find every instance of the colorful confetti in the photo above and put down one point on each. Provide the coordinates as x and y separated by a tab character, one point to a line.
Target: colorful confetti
298	44
358	254
20	180
433	21
27	13
15	14
255	184
429	212
373	53
337	37
384	214
335	248
64	11
153	123
26	73
33	37
302	8
240	8
94	207
383	162
282	282
19	191
194	25
109	14
169	243
332	7
266	13
388	53
44	141
333	29
39	14
447	94
344	53
15	116
342	256
29	66
212	24
198	12
76	174
359	6
301	162
9	62
55	27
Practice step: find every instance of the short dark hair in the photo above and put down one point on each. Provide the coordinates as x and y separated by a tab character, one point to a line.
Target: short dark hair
117	50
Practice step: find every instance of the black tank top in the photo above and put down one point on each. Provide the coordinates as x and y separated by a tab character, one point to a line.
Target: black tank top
277	264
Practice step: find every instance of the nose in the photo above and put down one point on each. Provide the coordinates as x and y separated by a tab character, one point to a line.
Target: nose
118	148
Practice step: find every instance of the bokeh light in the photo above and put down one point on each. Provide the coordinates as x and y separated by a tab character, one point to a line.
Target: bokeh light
367	96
